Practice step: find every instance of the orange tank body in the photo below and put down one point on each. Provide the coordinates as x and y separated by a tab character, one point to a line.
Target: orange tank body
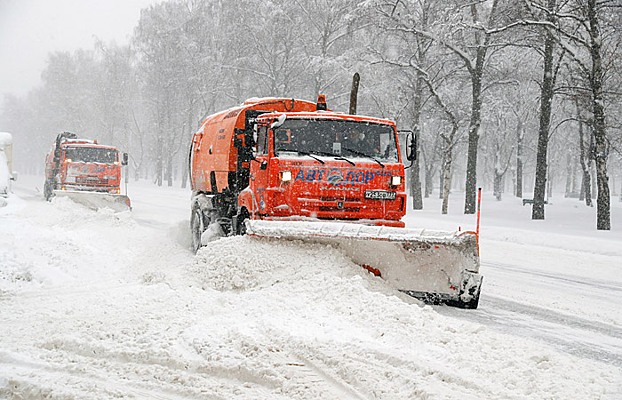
214	152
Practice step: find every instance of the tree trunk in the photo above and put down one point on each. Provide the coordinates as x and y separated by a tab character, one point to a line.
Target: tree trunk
476	73
584	162
159	170
476	109
185	172
169	169
574	177
415	188
429	178
519	158
431	166
593	179
586	187
603	216
446	187
415	180
546	99
497	185
441	176
569	172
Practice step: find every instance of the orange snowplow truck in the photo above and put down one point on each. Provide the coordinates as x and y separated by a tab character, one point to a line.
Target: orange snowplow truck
286	168
86	172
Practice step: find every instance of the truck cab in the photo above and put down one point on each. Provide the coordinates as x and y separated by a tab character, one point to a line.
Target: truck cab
82	165
86	172
325	165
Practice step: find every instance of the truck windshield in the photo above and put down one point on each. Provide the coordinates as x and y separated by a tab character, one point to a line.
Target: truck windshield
91	155
336	138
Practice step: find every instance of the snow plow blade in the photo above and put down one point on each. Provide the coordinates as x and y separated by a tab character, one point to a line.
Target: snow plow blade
96	200
432	266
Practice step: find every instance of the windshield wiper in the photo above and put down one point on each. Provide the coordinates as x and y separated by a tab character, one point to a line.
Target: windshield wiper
302	153
336	156
306	153
345	159
363	155
325	153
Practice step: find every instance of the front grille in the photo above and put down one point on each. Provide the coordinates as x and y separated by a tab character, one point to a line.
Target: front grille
335	208
91	181
332	198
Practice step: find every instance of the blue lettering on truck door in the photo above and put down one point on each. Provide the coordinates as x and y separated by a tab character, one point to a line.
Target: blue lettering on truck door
334	176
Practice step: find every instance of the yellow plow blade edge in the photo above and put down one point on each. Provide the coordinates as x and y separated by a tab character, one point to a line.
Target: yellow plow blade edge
434	266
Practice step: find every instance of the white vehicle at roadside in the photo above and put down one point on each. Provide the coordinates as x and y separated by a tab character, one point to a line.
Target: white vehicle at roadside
6	163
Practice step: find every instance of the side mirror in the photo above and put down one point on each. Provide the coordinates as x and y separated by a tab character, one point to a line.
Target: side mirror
125	158
14	176
411	150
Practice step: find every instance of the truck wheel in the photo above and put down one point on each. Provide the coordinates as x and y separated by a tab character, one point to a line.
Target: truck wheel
197	227
47	191
240	229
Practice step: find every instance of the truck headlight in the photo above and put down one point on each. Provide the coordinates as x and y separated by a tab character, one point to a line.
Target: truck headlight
286	176
396	180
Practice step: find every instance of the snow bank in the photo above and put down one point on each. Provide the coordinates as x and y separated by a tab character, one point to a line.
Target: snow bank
313	302
5	139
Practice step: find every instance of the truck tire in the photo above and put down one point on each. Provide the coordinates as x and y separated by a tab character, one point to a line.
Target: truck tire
240	228
47	191
197	227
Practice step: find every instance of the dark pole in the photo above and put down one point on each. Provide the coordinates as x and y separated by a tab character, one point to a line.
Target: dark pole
354	92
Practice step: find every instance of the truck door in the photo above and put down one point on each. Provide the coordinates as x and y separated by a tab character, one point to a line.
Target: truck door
260	174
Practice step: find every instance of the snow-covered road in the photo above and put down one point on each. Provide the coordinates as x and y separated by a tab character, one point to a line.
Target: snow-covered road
555	281
97	305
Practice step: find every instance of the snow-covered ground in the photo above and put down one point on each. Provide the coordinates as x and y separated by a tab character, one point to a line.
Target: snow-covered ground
97	305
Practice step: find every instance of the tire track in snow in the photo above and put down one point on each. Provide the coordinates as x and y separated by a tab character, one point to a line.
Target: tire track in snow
307	373
577	336
592	283
301	370
87	383
420	374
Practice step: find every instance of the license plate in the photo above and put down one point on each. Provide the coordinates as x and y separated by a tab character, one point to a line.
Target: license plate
379	195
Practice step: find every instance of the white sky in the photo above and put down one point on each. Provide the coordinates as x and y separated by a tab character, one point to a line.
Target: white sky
30	29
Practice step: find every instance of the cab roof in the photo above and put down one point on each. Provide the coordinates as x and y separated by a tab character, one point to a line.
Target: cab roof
85	143
328	115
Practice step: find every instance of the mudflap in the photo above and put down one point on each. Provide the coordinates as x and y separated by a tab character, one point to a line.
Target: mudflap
96	200
433	266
